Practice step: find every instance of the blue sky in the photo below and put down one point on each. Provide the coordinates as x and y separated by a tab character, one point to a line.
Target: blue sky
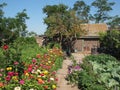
34	10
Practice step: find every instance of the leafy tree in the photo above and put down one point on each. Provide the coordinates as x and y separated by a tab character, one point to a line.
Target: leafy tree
103	7
20	22
32	34
110	43
62	24
114	23
11	28
83	10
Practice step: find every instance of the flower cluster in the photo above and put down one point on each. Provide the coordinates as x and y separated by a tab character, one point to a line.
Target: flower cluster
73	72
72	68
36	75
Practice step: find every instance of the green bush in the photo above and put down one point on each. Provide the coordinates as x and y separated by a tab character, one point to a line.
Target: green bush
101	71
110	43
88	79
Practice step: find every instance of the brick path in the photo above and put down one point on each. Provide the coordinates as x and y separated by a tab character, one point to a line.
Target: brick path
61	74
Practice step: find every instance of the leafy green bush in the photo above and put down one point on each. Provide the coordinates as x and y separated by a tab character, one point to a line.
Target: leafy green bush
110	43
88	79
101	71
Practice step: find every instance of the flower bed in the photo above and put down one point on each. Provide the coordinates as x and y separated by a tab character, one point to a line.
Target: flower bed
37	74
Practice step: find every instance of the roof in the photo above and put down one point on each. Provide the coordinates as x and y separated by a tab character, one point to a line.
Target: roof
94	29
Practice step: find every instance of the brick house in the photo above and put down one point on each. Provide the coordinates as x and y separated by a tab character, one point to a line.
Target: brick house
91	39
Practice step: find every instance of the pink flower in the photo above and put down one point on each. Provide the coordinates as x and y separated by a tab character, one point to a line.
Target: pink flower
16	73
16	63
29	69
0	74
22	82
1	70
10	73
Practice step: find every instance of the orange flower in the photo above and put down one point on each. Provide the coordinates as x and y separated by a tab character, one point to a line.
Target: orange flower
38	56
40	81
1	85
45	87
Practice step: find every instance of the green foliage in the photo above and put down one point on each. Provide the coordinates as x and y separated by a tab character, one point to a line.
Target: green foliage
103	7
73	72
12	27
114	23
82	10
100	70
53	44
87	78
110	43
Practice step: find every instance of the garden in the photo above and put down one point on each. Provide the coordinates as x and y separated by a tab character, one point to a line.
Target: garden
26	66
99	71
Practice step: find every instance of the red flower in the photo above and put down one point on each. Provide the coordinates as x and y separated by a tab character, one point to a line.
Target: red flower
56	79
41	74
5	47
10	73
7	78
34	60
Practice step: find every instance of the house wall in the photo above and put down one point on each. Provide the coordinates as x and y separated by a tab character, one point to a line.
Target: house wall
39	40
78	45
86	44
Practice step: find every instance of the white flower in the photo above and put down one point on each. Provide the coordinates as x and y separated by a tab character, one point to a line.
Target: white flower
33	71
52	79
17	88
38	71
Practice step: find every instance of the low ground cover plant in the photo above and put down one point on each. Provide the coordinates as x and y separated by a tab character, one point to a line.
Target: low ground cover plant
98	72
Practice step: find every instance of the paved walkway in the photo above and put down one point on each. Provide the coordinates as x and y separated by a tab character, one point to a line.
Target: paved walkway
61	74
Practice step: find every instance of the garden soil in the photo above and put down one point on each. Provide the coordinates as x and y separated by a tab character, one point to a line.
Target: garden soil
61	73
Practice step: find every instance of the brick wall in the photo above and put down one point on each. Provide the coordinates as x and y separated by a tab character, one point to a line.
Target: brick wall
86	44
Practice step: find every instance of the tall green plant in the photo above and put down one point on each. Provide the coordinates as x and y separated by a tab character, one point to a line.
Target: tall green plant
110	43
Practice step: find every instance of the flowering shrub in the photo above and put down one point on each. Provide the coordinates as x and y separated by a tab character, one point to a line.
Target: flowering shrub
37	74
73	72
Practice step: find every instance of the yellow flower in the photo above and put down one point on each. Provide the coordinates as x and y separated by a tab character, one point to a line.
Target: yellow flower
45	72
27	74
46	63
49	61
9	68
15	78
53	86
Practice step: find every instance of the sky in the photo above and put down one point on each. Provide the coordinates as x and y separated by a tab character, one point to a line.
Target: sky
35	12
